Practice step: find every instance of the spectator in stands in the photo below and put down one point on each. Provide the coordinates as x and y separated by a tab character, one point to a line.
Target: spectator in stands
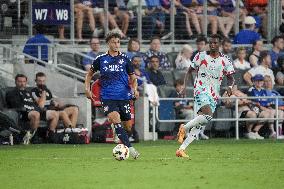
183	109
227	48
262	69
227	17
99	13
155	47
257	47
201	45
258	9
241	63
261	105
157	14
34	43
183	61
141	74
133	49
155	75
247	35
280	72
95	51
212	13
271	92
121	12
45	100
275	52
245	110
81	8
185	7
20	99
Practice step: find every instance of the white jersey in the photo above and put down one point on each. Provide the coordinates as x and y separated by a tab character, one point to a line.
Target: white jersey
210	73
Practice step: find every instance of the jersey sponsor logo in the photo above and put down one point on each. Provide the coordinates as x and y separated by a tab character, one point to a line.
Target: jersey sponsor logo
113	68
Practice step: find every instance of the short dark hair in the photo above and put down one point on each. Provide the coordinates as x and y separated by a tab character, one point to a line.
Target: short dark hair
154	56
20	75
216	36
275	39
40	74
263	55
201	38
226	40
39	28
155	37
135	56
112	34
178	82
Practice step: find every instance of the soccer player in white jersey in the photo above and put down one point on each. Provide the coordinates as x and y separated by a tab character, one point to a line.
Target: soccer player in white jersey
211	67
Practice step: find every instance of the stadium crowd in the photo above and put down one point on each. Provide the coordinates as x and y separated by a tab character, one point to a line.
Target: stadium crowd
259	71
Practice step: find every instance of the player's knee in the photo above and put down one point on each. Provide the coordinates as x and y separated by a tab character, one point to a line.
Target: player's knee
34	115
114	117
251	114
204	119
128	125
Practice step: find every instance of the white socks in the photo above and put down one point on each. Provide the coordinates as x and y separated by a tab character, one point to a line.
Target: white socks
196	125
200	120
191	136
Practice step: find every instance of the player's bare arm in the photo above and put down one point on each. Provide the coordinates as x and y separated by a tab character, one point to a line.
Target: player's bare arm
230	83
88	79
134	85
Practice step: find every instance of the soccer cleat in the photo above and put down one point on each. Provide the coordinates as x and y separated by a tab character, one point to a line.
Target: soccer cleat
257	136
203	136
250	135
272	135
27	138
134	153
181	134
181	153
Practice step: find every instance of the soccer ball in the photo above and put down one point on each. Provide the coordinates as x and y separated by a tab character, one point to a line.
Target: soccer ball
120	152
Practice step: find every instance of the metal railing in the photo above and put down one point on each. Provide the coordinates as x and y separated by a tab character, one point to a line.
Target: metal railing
15	55
236	119
23	14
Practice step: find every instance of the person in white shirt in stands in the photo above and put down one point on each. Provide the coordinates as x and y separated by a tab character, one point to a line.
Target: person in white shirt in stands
241	63
263	69
183	61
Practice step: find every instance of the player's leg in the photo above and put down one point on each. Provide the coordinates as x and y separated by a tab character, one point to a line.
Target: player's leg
125	113
52	117
200	101
34	118
72	112
195	126
114	118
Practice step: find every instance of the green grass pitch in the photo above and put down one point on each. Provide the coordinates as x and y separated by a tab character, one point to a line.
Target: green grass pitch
215	163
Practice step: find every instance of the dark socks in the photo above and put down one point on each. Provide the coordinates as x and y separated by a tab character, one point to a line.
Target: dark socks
122	135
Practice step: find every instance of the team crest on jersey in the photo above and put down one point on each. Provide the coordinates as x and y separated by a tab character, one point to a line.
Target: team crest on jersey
121	61
212	67
106	108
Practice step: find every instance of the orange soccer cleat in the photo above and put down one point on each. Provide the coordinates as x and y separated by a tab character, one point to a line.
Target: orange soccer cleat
181	153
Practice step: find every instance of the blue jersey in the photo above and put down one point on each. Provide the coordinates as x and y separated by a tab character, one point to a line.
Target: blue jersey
246	37
262	101
31	47
114	71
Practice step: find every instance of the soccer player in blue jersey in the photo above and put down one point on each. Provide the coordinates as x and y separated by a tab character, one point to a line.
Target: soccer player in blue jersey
116	73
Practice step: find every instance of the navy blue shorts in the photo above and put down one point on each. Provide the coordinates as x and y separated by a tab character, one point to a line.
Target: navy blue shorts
120	106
